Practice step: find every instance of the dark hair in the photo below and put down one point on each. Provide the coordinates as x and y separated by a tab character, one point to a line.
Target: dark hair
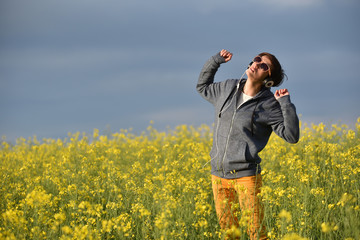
277	73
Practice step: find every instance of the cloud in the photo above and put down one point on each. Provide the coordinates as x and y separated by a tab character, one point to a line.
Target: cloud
193	115
211	6
292	3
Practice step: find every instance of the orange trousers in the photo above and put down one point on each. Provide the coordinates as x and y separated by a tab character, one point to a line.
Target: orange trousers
242	192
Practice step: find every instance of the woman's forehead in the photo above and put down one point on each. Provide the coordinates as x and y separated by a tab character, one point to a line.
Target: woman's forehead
266	60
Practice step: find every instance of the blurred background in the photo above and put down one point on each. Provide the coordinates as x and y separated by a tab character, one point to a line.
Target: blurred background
69	66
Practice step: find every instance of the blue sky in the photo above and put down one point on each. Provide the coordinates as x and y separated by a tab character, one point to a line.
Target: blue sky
69	66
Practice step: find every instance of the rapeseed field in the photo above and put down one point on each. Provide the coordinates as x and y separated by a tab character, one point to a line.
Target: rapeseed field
157	185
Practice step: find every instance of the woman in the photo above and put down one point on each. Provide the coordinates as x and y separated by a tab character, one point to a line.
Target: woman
246	113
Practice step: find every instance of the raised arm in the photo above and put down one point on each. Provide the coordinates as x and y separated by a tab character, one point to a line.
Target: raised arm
206	86
284	120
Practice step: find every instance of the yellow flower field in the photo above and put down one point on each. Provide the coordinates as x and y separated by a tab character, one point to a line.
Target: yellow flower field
157	185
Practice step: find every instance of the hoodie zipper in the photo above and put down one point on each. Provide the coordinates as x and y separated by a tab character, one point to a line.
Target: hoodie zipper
227	142
232	121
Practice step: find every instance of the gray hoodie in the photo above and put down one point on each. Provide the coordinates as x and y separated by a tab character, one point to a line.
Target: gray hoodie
240	133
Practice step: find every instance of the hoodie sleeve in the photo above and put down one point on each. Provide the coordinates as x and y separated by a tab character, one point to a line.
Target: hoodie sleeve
284	120
206	86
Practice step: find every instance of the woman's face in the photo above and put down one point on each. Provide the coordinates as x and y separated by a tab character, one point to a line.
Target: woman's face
255	71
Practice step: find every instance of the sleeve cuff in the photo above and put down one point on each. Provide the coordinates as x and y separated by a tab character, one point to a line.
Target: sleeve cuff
284	100
219	59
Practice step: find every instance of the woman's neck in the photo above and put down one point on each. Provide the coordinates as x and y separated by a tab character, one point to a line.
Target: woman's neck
252	88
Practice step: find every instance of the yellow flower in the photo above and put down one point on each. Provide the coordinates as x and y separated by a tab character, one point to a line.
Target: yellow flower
107	225
234	232
285	215
346	198
38	197
14	216
293	236
95	133
60	218
325	227
67	230
331	206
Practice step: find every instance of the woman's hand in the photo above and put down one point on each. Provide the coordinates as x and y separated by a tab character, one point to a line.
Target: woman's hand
280	93
226	55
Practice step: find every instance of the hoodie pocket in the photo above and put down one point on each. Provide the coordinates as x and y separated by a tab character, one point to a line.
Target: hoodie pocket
236	156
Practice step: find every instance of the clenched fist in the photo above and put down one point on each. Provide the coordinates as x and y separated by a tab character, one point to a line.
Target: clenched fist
226	55
280	93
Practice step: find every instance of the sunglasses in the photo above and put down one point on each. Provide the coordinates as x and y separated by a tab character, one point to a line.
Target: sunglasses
262	66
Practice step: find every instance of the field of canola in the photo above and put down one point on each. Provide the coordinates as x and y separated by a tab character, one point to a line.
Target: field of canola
156	185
